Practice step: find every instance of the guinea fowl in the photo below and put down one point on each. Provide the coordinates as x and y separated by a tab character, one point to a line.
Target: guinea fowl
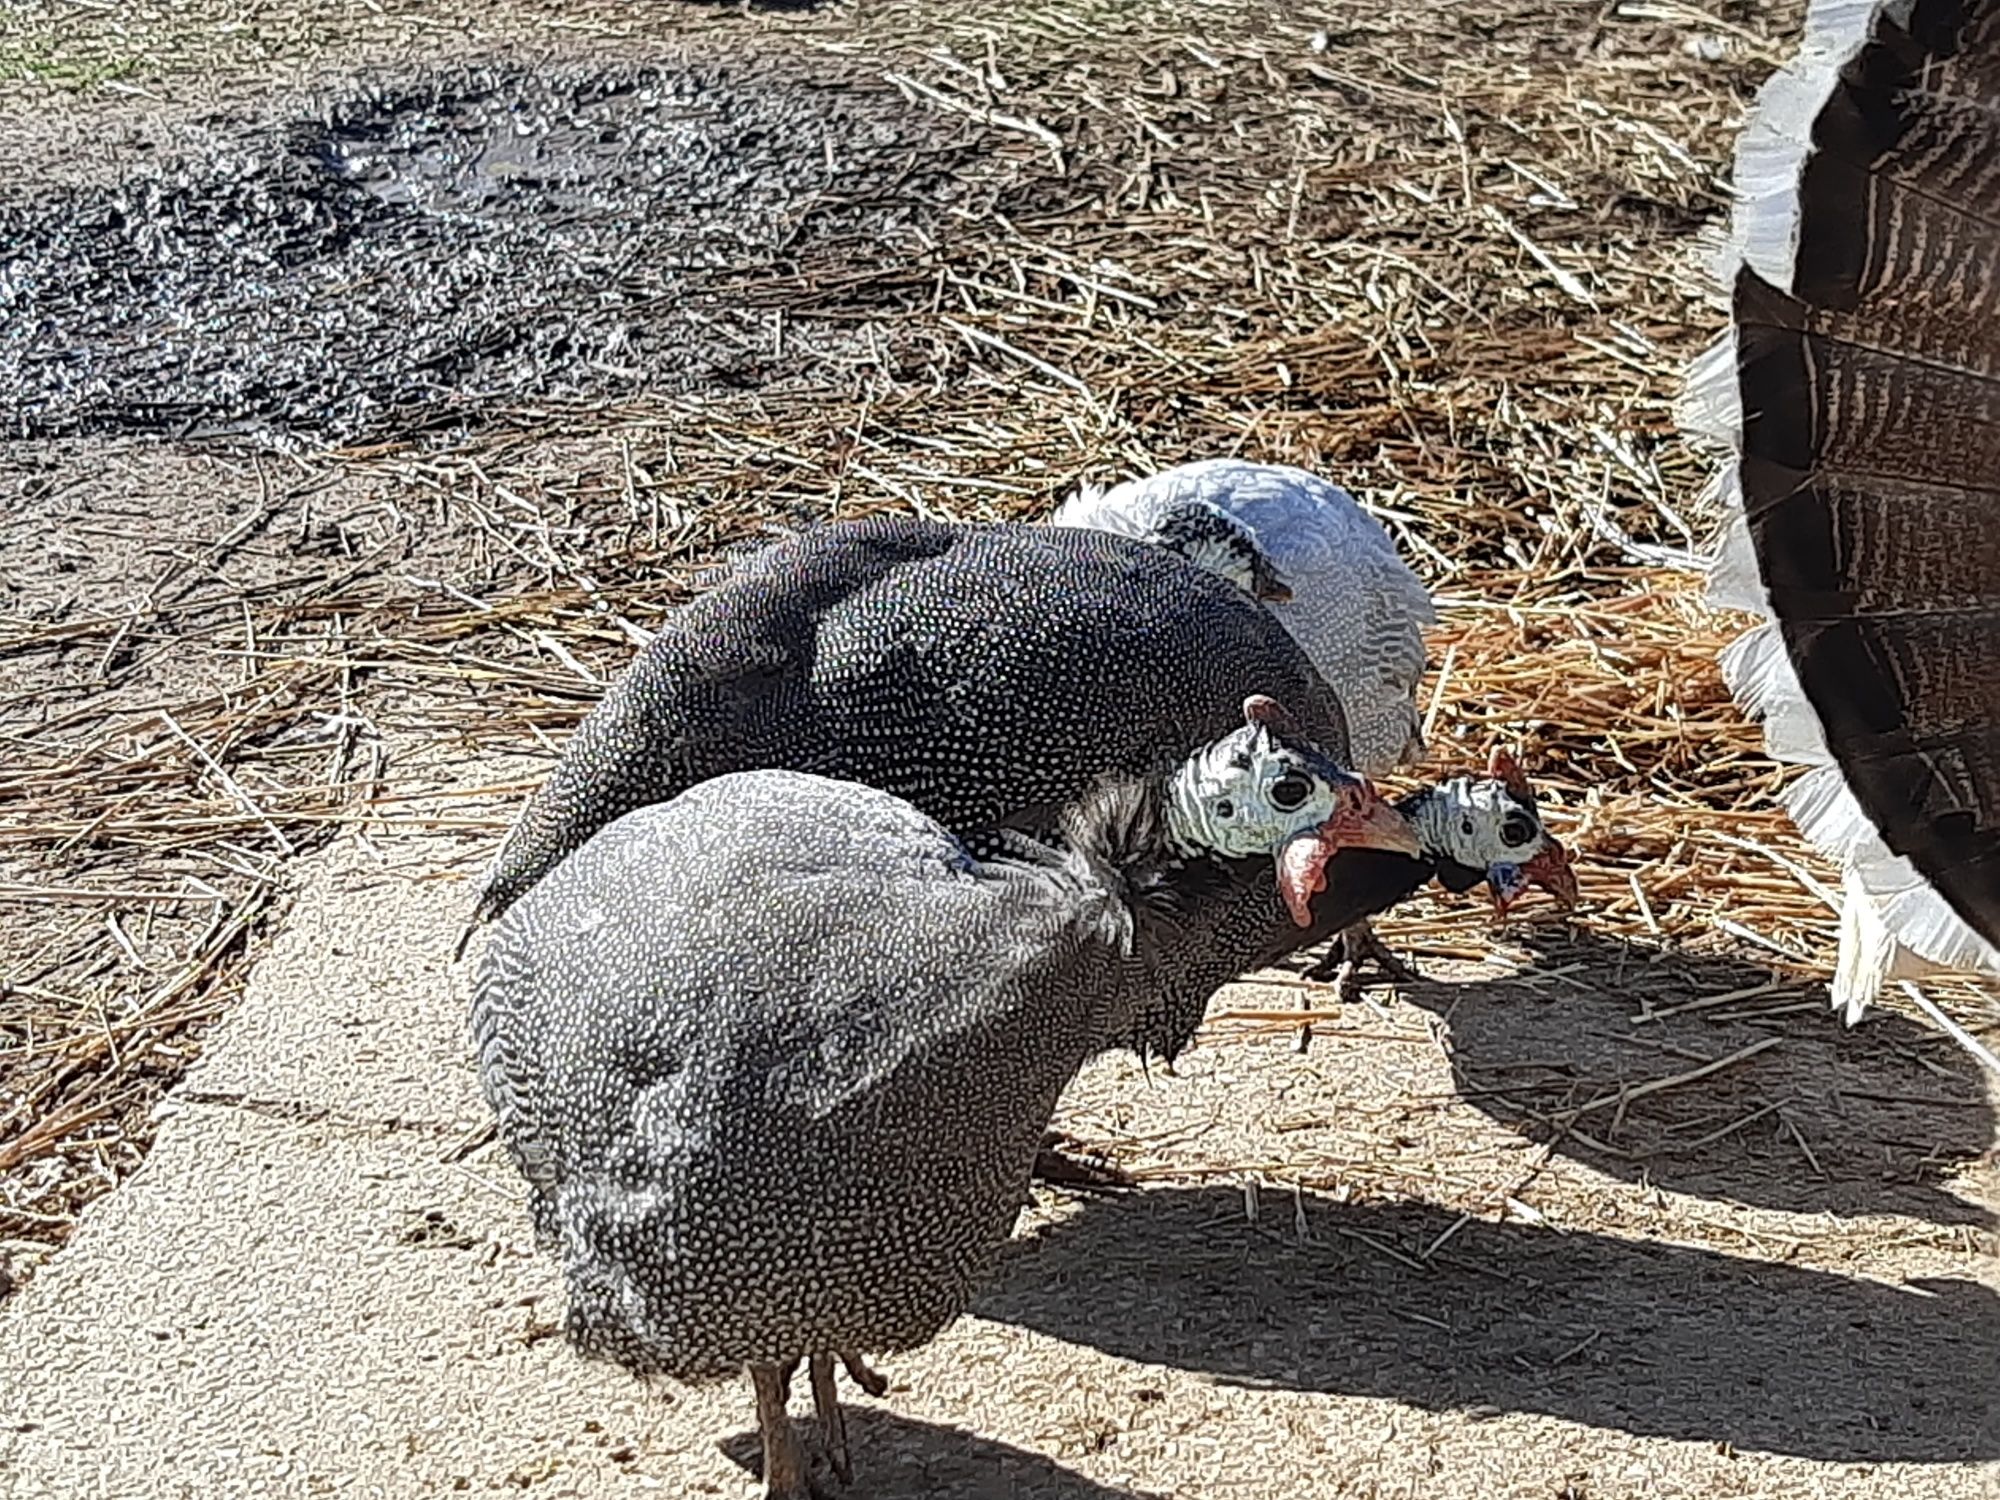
775	1057
1854	389
1470	830
988	674
1464	831
1330	573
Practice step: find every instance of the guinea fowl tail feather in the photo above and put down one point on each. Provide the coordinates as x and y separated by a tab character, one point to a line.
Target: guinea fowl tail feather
1863	268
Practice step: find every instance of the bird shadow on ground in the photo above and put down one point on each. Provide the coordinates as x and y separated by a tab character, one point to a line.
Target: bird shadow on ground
1649	1339
900	1458
1828	1120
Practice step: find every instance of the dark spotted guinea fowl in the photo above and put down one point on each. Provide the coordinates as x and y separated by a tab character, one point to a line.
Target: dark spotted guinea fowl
1470	830
775	1056
988	674
1858	391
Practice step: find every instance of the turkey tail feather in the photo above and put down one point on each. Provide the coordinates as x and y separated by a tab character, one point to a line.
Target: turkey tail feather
1859	391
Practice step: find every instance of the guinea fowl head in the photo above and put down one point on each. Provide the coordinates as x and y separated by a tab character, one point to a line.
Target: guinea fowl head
1266	789
1488	828
1220	543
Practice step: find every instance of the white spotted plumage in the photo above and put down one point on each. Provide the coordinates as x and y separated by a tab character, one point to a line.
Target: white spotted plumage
987	673
775	1056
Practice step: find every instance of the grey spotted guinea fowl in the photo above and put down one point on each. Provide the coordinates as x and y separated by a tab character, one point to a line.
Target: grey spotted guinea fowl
988	674
1855	393
775	1056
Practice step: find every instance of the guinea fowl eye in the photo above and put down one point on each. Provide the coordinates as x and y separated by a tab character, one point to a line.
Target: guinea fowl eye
1517	830
1289	792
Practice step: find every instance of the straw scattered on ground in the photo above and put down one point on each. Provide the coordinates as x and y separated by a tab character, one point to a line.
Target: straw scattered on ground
1442	252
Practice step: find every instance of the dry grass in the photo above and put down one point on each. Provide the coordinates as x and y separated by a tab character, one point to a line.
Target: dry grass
1439	251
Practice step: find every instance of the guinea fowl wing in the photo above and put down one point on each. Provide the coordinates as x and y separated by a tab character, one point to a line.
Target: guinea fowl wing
1001	679
717	689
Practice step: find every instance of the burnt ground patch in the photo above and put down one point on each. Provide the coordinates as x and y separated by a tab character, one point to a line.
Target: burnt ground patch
467	240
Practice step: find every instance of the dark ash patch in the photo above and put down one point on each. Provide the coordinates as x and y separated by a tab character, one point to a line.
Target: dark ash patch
421	257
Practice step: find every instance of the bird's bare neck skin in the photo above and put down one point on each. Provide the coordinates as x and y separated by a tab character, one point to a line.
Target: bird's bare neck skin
1432	814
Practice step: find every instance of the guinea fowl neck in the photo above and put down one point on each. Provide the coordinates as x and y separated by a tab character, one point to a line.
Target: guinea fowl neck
1428	813
1124	824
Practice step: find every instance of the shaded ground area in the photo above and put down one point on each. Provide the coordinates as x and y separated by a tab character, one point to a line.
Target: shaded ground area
1745	1094
1635	1219
1648	1339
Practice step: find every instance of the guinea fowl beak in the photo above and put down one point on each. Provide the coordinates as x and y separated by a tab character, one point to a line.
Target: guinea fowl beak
1549	869
1361	820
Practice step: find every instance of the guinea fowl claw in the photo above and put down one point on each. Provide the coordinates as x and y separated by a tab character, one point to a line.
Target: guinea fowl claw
1351	949
1348	985
1398	970
1342	966
873	1382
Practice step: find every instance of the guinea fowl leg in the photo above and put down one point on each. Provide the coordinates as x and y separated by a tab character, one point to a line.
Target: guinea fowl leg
1363	944
832	1425
786	1475
826	1402
1352	947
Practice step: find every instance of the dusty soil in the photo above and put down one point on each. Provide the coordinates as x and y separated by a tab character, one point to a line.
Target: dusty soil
375	372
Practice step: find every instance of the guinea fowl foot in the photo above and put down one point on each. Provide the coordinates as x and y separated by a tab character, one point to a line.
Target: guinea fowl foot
873	1382
1056	1167
787	1475
1353	947
832	1425
826	1402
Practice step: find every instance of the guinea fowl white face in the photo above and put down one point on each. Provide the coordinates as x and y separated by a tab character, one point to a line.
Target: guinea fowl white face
1490	827
1266	790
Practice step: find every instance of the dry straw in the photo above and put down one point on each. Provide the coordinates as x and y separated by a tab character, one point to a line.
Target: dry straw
1440	253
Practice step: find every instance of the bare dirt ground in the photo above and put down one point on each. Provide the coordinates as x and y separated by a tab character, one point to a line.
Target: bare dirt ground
375	372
